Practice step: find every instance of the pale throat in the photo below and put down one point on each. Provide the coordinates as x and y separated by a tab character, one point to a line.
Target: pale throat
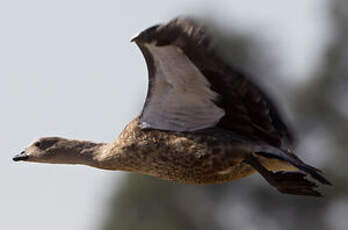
76	152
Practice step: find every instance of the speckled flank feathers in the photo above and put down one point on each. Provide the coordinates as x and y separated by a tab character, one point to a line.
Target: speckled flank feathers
183	157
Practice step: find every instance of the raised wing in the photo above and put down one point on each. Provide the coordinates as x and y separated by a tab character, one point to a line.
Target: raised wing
191	88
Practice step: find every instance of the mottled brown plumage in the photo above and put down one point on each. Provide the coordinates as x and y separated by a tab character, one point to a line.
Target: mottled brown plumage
203	122
177	156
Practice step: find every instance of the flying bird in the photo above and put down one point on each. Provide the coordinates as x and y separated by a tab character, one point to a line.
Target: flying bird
203	122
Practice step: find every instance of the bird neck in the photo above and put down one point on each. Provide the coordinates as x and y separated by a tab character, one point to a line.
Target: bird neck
113	156
98	155
75	152
126	153
89	154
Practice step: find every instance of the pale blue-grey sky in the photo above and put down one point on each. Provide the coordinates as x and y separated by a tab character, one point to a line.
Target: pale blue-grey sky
67	68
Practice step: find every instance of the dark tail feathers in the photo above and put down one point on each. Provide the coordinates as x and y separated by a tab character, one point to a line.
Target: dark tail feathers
280	155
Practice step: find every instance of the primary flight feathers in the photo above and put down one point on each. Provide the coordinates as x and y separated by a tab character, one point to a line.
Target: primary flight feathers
191	88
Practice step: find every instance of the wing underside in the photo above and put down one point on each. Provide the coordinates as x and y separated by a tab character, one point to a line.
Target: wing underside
181	98
191	88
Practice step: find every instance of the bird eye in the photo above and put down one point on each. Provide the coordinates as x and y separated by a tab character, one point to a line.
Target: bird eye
37	144
45	143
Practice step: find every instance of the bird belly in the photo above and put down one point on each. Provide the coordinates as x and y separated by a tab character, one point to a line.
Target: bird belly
198	167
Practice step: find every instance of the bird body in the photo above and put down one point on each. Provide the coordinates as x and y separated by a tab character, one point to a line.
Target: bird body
177	156
203	122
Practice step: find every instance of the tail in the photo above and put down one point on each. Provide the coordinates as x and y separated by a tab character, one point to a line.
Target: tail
275	153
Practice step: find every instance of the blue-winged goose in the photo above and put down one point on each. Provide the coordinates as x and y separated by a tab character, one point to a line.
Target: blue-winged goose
203	122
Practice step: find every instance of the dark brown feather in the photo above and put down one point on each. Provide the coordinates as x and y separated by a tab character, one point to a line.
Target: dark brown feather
249	112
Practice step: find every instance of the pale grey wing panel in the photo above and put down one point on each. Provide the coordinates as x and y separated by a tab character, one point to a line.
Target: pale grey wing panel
182	46
180	97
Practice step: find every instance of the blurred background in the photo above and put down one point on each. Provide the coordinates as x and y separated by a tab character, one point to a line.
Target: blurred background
67	69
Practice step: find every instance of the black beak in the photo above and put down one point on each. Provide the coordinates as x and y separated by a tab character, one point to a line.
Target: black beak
21	157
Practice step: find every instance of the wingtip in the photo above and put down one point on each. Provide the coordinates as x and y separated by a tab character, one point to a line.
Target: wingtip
134	38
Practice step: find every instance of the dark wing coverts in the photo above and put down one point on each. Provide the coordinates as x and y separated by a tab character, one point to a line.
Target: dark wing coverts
191	88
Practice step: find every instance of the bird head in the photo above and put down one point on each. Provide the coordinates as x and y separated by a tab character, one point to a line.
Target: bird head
47	149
